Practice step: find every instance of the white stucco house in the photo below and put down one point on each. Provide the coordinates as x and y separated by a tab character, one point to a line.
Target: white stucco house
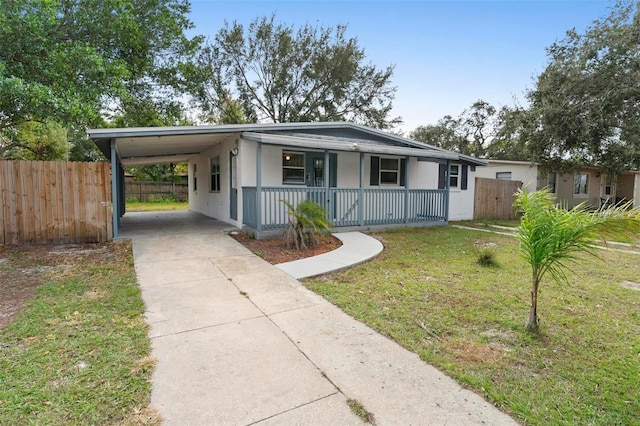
365	178
588	184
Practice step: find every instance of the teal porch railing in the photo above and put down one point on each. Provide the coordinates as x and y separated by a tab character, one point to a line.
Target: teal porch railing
346	206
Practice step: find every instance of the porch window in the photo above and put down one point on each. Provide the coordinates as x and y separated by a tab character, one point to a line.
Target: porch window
551	182
195	177
608	186
293	168
454	175
214	164
389	171
581	184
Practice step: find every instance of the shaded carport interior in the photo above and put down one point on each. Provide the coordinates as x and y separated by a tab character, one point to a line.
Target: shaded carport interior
140	147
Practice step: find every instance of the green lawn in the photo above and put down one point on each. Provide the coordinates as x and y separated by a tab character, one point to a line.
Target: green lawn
152	206
79	352
427	292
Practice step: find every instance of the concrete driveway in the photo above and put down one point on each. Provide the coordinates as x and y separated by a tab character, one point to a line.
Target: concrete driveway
240	342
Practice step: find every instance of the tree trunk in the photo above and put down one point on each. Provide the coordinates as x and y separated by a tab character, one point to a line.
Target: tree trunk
532	320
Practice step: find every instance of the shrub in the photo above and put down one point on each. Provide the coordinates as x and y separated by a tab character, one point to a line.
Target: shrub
305	220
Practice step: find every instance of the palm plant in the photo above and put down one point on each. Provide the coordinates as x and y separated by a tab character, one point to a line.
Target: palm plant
551	236
305	220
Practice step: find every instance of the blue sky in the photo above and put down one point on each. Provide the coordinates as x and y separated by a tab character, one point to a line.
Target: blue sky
447	54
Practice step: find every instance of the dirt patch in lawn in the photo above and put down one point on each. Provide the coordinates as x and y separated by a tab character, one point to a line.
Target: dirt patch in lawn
275	250
23	268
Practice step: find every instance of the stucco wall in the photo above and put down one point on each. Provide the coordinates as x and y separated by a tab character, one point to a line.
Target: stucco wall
202	200
564	191
525	173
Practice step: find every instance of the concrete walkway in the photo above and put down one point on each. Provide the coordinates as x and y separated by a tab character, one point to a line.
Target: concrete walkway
356	248
240	342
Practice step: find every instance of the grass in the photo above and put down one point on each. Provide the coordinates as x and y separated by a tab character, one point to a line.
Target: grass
427	292
358	409
164	205
79	352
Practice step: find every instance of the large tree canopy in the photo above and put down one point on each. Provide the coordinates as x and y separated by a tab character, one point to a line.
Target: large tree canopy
67	61
280	74
585	108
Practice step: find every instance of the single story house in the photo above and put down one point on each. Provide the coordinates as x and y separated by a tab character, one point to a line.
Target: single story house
585	184
239	173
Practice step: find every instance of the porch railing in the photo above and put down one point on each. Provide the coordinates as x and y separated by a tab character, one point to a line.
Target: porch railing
346	206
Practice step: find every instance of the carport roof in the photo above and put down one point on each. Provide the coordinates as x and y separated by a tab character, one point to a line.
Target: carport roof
153	145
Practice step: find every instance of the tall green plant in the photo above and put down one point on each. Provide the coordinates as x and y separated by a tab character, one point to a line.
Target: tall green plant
305	220
551	237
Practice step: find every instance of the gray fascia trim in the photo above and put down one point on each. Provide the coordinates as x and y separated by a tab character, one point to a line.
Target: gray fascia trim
298	142
131	132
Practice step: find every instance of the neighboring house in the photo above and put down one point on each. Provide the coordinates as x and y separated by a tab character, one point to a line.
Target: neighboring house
585	184
364	177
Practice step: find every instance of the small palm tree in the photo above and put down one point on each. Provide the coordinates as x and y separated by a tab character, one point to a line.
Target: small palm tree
305	220
551	236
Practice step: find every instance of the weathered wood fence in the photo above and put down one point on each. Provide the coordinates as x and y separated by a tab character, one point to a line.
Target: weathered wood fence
144	191
494	199
55	202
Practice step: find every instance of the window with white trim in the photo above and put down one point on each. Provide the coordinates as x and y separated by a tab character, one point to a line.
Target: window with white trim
389	171
581	184
608	186
214	167
454	175
293	168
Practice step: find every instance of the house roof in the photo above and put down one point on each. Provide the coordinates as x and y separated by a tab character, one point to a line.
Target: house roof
153	145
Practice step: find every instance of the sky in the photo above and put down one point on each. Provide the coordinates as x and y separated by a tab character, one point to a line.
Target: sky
447	54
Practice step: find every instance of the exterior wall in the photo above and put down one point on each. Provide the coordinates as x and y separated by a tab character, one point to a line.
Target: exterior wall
625	186
565	188
204	201
636	191
524	172
461	200
422	175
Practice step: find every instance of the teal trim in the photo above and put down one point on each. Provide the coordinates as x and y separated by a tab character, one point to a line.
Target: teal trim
361	191
258	198
404	176
447	187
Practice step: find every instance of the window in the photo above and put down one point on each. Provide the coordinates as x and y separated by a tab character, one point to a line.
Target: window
551	182
293	168
214	164
389	171
453	176
608	186
581	184
195	177
503	175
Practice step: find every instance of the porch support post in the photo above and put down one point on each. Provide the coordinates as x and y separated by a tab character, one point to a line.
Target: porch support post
406	189
361	195
259	187
327	185
115	199
448	194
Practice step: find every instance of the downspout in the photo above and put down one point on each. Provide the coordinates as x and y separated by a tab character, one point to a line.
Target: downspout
361	196
115	199
448	194
259	187
406	189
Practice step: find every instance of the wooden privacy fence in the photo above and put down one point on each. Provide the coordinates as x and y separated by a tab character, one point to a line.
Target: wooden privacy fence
143	191
55	202
494	198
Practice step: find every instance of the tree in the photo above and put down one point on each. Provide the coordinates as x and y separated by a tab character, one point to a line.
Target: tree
510	140
445	134
280	74
585	108
39	141
305	220
550	236
69	60
469	134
